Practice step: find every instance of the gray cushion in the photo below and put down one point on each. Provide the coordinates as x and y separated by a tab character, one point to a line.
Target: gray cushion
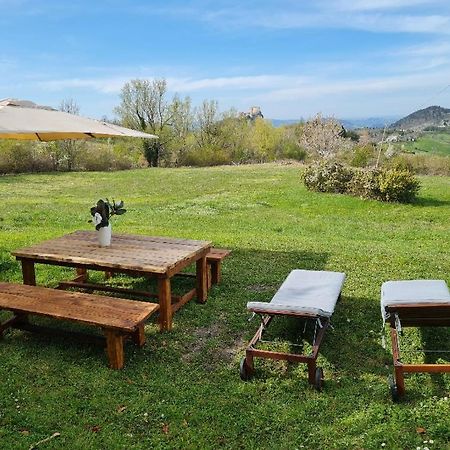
411	292
309	291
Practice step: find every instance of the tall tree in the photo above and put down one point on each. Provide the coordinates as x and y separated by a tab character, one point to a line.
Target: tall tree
181	126
206	123
65	152
144	107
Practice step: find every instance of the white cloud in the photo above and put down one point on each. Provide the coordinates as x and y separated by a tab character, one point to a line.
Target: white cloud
102	85
370	5
247	82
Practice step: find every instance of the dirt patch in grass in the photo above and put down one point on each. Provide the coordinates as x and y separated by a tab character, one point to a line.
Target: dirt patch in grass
224	353
260	288
201	335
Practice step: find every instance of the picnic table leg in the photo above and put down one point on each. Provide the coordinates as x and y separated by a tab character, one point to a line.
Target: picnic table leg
202	280
82	274
114	348
165	304
28	272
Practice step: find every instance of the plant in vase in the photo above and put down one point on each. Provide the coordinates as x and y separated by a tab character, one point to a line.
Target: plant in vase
102	213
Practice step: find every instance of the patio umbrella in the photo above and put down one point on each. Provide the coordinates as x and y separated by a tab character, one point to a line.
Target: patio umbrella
24	120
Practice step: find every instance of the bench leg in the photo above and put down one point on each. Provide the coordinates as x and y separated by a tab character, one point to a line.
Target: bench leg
114	348
138	336
16	319
216	272
28	272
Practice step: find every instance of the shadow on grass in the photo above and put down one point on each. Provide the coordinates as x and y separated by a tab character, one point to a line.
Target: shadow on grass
216	331
434	202
437	340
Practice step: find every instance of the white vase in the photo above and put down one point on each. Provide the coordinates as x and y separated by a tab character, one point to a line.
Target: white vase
104	236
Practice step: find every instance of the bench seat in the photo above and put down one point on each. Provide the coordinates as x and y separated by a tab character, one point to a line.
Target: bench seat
119	318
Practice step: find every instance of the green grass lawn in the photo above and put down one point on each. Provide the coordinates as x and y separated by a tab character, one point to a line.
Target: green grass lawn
182	390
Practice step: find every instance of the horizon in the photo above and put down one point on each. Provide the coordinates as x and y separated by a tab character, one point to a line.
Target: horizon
347	59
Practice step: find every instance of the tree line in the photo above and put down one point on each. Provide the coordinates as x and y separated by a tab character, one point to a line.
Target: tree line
196	136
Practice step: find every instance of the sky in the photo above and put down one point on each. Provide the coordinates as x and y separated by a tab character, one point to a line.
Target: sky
293	58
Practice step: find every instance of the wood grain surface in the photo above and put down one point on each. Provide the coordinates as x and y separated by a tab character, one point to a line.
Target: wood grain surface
130	252
109	312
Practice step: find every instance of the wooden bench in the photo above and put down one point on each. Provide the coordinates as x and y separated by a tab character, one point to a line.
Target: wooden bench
214	261
118	318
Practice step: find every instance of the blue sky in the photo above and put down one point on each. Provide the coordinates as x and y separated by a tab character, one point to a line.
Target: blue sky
346	58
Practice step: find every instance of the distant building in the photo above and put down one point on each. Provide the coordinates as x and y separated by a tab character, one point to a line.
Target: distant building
253	113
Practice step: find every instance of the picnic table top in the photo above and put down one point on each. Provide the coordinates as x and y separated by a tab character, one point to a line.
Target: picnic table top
129	252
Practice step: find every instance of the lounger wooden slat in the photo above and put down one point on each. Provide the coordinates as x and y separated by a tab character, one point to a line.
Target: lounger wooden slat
118	318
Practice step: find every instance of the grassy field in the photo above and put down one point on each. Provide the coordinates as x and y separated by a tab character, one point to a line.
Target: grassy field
431	143
182	390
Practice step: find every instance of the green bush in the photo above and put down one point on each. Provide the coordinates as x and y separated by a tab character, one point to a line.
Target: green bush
389	185
364	184
362	156
397	185
327	177
19	157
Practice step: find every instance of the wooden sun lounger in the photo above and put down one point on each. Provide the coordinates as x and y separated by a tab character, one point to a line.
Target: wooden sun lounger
413	303
306	294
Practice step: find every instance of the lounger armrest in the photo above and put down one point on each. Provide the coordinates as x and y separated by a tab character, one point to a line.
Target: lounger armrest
286	310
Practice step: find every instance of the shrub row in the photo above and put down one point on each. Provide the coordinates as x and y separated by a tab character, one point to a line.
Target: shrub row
385	184
22	157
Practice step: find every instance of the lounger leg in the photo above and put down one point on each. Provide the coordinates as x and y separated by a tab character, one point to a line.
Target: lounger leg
312	371
399	377
139	336
249	361
114	348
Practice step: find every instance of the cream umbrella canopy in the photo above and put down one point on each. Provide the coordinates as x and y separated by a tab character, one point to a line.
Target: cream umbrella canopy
24	120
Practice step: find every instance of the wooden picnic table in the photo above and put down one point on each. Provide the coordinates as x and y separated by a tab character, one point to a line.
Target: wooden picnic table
137	255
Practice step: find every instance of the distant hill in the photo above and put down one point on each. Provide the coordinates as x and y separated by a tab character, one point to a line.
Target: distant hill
349	124
368	122
433	116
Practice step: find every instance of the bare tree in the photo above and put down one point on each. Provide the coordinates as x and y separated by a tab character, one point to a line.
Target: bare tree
144	107
323	137
206	117
181	126
65	152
